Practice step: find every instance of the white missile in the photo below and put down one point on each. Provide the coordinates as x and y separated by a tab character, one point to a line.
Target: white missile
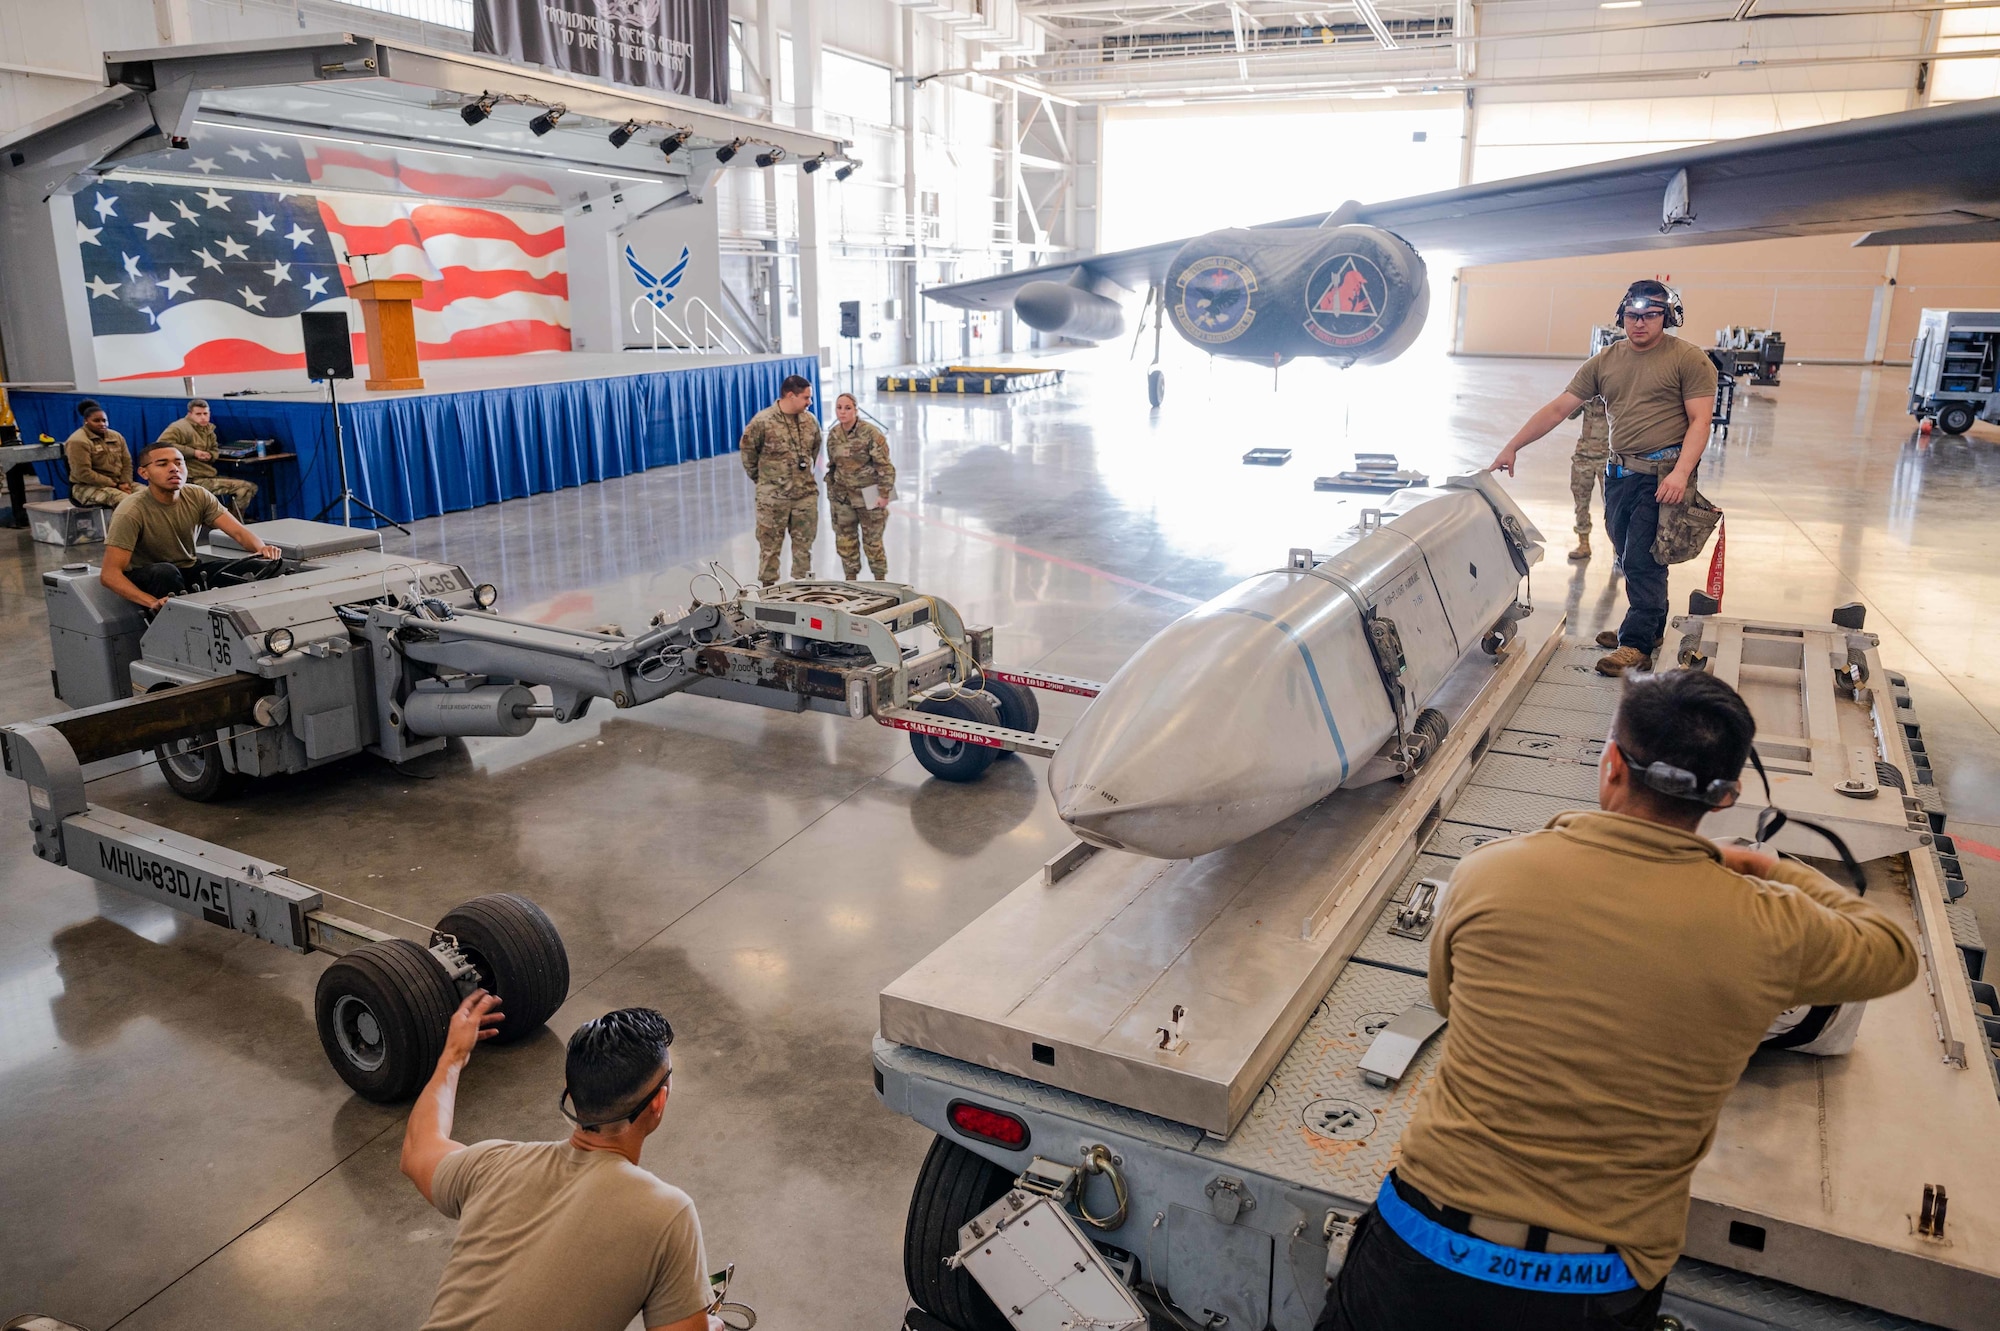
1296	682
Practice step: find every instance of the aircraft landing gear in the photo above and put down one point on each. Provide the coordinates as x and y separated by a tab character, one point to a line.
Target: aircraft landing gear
1156	386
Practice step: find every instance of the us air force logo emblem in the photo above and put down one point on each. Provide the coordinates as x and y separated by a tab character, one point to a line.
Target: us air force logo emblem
1214	303
1346	297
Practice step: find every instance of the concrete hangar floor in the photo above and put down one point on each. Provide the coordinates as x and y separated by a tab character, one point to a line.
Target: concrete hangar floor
176	1150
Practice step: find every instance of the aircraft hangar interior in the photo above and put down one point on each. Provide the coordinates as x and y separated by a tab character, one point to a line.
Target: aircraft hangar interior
965	665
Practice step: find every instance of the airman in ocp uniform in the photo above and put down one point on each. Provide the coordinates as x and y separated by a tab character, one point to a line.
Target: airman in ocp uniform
780	445
857	456
1586	469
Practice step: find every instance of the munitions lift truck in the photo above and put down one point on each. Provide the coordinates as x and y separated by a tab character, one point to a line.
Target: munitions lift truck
1166	1091
1954	364
338	648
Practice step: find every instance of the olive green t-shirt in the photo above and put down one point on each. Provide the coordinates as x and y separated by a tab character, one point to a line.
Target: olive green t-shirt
158	533
1646	392
553	1237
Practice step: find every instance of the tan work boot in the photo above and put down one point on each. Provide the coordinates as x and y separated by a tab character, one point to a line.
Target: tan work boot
1608	639
1625	658
1582	551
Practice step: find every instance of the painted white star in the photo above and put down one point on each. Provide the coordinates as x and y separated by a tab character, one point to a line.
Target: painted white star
278	272
316	286
154	227
233	249
86	235
251	300
298	235
187	214
176	285
272	150
204	165
263	222
243	154
99	287
106	207
214	200
131	265
208	260
151	317
284	194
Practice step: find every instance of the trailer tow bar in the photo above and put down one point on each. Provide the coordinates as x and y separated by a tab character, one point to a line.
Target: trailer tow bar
943	722
383	1006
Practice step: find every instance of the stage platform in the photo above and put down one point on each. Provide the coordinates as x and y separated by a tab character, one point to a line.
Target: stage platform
482	430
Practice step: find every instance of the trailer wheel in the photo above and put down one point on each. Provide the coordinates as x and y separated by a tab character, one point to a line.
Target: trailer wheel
520	957
382	1012
953	1186
1955	418
1019	708
954	759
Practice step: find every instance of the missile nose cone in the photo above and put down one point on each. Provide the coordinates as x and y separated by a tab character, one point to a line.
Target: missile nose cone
1217	728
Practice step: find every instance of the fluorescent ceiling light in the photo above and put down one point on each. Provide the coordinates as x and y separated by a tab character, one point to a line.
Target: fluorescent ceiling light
1621	4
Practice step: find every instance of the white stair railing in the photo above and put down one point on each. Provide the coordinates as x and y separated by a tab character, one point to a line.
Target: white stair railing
678	335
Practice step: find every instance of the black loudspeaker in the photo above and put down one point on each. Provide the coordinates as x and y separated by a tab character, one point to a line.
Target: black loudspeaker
850	318
329	350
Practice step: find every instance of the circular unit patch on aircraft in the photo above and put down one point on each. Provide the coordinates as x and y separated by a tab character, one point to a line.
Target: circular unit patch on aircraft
1346	297
1214	304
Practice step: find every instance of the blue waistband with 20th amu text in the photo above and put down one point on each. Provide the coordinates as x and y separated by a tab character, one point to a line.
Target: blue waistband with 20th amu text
1517	1268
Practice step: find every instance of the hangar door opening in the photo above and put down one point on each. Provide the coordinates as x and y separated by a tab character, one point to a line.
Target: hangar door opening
1171	171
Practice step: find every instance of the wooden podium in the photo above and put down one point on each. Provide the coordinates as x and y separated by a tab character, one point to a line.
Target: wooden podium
392	332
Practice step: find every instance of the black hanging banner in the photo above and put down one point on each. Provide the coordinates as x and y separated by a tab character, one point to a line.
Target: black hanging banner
676	46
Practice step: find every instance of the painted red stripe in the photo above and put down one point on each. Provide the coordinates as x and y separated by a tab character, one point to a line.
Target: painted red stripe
443	222
474	284
1979	848
373	239
451	184
225	356
501	339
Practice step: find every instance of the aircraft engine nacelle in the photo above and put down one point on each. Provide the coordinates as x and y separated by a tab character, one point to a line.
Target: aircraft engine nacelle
1353	294
1062	310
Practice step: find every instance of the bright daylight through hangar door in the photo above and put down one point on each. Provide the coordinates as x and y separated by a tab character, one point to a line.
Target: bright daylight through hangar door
1181	170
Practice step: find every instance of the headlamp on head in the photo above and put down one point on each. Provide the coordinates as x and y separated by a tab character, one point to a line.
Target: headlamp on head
1647	296
1681	784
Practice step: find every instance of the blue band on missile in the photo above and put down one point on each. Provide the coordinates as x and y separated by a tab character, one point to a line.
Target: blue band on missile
1312	673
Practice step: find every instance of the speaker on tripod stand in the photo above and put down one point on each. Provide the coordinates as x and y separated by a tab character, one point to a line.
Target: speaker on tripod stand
330	356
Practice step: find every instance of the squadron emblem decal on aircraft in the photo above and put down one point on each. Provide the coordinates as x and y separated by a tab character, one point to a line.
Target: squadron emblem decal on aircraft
1214	303
1344	301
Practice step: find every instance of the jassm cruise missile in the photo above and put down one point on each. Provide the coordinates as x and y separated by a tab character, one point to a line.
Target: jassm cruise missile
1296	682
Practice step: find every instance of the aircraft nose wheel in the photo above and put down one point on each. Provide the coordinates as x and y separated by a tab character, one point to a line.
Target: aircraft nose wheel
1156	387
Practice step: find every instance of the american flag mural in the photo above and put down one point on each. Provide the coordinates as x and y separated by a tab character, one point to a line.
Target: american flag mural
209	276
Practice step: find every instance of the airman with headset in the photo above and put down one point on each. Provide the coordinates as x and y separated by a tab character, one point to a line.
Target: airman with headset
1659	393
1606	979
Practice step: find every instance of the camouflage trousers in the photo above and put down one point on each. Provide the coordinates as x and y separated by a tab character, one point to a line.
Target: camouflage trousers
856	530
231	491
777	516
96	496
1586	473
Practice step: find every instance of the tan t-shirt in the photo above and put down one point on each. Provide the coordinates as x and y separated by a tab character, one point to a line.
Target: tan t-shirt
1606	980
553	1237
158	533
1646	392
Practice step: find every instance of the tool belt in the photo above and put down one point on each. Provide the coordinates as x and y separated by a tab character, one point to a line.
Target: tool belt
1600	1271
1656	463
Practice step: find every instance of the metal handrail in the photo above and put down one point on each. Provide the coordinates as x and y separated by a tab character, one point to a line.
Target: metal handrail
712	321
679	338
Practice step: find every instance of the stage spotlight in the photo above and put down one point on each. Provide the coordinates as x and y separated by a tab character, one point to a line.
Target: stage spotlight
812	164
846	169
770	157
675	141
474	112
728	150
548	120
623	134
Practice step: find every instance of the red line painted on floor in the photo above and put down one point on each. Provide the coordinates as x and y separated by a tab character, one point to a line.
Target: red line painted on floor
1979	848
1044	555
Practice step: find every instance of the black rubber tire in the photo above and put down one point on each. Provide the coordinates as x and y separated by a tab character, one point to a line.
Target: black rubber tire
520	957
406	994
1156	387
1956	418
197	775
950	759
953	1186
1019	708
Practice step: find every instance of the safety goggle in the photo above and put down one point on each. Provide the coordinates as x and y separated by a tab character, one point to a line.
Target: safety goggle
563	1105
